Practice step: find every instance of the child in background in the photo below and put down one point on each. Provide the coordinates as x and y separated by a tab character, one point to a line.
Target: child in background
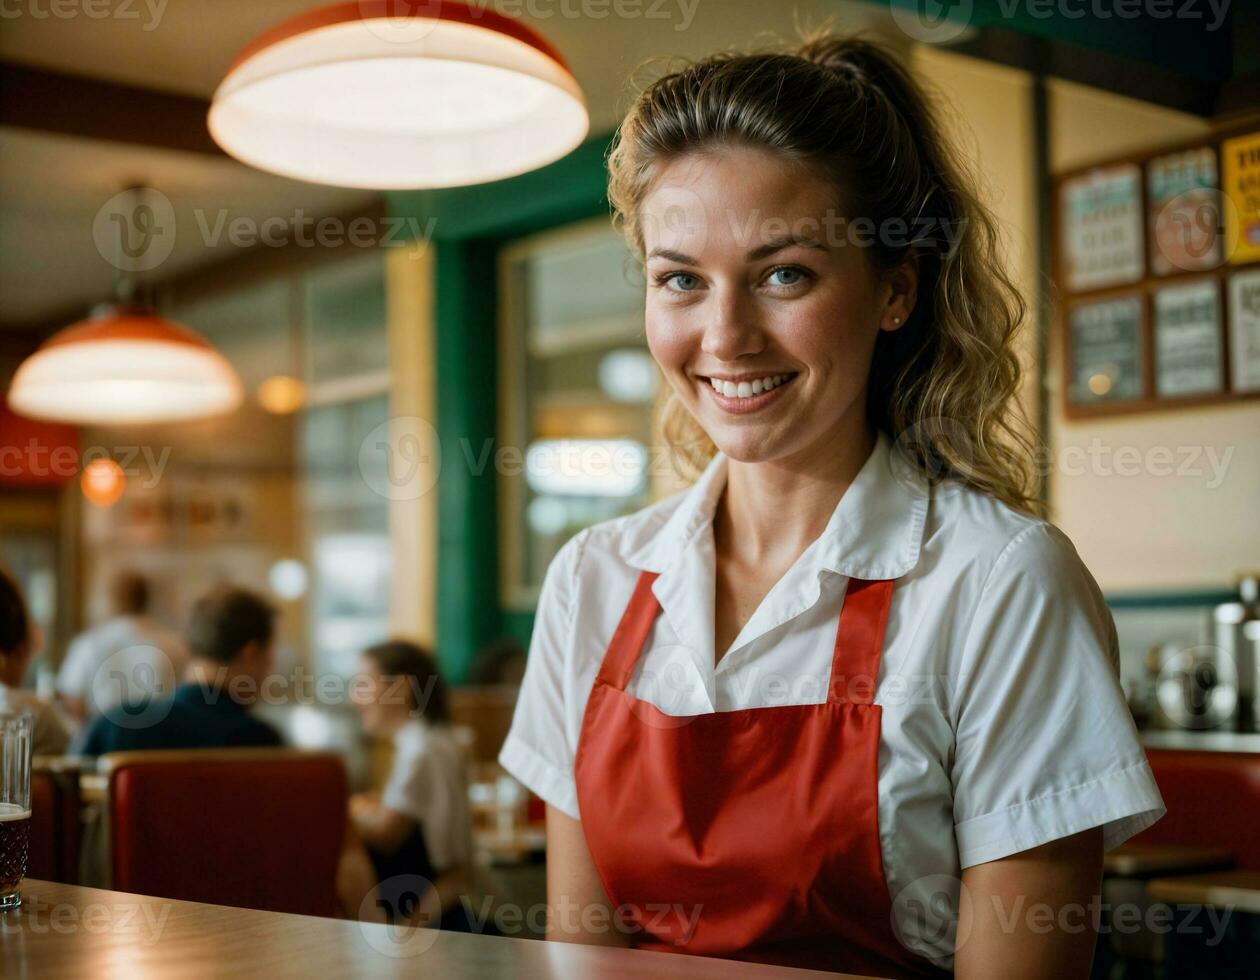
417	831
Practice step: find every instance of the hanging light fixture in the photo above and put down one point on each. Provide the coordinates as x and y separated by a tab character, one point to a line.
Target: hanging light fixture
124	364
397	95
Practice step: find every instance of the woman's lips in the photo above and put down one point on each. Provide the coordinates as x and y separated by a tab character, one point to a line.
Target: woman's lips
743	406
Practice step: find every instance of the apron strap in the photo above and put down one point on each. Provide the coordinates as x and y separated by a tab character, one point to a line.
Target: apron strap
632	632
859	641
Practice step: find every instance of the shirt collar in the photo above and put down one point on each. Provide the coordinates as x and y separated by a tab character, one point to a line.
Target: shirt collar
875	531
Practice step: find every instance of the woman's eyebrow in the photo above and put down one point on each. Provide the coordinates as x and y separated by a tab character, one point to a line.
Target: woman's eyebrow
760	252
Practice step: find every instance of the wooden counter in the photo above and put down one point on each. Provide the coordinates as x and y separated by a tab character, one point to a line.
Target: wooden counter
65	932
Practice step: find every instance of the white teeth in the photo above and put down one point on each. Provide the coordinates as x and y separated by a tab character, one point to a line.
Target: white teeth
746	389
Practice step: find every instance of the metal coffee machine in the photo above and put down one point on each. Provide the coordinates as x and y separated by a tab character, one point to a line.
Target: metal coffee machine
1211	686
1235	634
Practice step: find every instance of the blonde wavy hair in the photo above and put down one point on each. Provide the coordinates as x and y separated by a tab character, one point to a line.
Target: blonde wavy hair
943	386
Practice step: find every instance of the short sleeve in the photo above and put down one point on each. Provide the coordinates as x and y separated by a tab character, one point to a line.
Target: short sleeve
74	679
1045	746
537	750
429	787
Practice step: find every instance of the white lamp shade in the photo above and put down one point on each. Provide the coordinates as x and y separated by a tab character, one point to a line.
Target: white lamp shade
125	366
380	95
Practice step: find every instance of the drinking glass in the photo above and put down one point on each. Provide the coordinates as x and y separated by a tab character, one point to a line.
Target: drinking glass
15	803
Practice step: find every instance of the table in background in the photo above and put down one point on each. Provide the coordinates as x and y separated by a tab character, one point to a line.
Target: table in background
70	932
1135	860
1227	949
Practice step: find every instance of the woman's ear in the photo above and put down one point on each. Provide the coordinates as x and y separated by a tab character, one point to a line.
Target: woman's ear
901	290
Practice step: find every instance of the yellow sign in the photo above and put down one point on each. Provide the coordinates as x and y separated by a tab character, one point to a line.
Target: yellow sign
1240	169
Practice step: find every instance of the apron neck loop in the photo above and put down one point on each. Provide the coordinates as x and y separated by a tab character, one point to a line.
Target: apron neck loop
859	641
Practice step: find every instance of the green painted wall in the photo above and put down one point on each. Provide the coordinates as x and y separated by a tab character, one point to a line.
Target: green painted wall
469	226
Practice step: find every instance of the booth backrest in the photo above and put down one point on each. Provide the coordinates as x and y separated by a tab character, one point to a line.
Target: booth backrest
1213	799
256	828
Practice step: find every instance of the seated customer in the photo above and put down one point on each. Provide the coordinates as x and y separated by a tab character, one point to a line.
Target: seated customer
418	828
230	638
20	640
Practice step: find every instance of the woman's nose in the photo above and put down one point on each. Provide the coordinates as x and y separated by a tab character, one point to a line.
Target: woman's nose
732	328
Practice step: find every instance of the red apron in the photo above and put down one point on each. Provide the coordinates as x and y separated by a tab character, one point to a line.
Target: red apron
750	834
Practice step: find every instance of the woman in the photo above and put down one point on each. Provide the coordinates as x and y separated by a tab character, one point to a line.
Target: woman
416	833
847	702
20	642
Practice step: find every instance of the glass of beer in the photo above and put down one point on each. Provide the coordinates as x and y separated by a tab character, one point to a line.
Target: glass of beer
15	804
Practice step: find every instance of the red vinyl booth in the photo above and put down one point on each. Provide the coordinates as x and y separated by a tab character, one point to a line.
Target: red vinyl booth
55	826
254	828
1213	799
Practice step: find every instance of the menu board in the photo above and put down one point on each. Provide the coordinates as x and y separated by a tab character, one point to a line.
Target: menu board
1101	215
1157	256
1188	354
1184	205
1106	345
1240	164
1244	330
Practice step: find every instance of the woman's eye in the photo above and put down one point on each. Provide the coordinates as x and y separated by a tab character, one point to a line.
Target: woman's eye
795	275
683	282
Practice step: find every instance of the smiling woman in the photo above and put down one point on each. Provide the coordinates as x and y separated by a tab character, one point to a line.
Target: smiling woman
848	702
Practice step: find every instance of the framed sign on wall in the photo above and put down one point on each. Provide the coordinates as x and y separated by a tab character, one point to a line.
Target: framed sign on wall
1157	259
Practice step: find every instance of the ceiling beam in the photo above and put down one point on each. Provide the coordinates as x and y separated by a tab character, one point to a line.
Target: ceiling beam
51	102
1097	69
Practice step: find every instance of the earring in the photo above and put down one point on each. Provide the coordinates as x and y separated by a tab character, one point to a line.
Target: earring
896	319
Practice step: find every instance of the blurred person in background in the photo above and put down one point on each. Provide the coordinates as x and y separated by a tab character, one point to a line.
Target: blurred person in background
231	639
20	643
117	661
419	826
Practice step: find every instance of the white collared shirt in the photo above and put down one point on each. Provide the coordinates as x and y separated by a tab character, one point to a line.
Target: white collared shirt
428	781
1004	724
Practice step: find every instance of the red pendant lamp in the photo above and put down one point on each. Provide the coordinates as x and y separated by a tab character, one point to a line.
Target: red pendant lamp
395	95
124	364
